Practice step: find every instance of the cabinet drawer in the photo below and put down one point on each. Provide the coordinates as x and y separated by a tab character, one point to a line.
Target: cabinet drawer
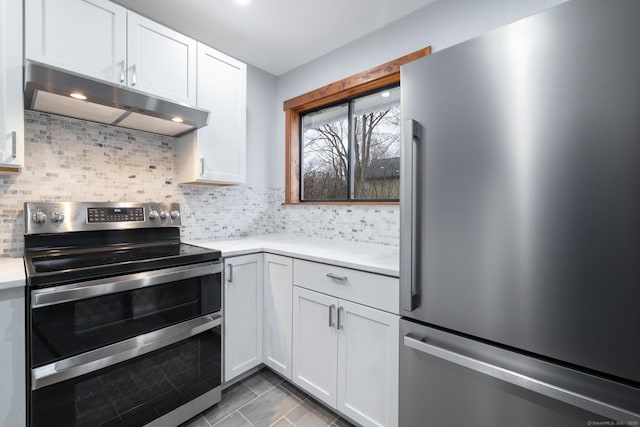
373	290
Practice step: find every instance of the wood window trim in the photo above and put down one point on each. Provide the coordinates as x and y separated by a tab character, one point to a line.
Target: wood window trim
375	78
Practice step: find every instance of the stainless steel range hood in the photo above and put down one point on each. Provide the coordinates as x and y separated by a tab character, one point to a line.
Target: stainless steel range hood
49	89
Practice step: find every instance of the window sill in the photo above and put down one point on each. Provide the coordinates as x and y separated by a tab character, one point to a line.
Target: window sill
349	203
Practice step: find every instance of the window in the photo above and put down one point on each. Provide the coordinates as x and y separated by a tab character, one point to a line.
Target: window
351	151
343	140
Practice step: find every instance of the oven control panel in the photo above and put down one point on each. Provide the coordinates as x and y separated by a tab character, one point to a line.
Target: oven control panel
58	217
115	214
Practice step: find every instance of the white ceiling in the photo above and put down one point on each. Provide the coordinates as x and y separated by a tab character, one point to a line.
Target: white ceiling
275	35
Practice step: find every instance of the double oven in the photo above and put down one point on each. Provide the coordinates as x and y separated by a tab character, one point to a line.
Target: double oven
123	319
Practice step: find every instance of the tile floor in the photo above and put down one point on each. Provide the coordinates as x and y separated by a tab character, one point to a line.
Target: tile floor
264	399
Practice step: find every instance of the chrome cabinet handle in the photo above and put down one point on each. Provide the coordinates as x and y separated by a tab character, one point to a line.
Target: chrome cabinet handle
230	278
134	79
409	265
340	318
336	277
122	76
14	144
332	307
520	380
201	166
124	350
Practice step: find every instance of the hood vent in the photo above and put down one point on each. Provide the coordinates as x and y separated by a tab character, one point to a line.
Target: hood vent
49	89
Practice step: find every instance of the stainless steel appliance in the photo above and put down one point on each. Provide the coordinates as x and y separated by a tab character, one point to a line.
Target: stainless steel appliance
520	230
54	90
123	320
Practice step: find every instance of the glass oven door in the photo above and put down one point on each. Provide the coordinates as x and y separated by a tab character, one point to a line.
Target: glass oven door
136	391
71	320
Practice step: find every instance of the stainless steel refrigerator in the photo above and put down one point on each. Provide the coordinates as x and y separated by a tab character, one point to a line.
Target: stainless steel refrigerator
520	224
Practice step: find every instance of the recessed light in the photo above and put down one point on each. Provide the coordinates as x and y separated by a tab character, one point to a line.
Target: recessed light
78	95
177	119
242	2
385	94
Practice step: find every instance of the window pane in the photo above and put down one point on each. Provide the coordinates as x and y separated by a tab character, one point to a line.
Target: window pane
376	151
325	154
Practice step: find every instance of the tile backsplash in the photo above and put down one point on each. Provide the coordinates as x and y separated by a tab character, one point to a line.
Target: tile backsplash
75	160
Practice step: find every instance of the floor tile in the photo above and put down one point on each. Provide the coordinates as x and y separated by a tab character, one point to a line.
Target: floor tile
233	420
262	381
341	422
310	414
232	399
198	421
269	407
294	390
282	422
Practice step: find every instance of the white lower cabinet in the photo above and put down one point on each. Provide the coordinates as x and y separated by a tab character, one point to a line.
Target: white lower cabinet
346	355
315	344
277	305
12	357
242	314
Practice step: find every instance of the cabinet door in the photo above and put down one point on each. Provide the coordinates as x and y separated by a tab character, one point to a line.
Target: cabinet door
242	314
84	36
12	353
315	344
222	89
277	303
161	61
11	102
368	349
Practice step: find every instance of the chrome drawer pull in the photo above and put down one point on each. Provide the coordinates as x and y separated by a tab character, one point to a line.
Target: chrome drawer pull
336	277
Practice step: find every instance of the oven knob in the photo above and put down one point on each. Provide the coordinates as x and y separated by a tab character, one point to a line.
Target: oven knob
39	217
175	214
153	215
164	214
57	217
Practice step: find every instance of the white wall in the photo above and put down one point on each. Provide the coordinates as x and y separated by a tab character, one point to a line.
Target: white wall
440	24
261	126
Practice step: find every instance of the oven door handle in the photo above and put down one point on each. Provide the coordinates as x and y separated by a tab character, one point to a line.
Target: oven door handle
119	352
78	291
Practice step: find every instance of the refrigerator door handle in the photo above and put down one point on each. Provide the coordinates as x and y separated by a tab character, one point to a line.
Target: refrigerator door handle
520	380
410	291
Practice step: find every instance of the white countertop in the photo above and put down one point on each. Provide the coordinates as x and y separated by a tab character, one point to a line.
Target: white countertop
381	259
11	273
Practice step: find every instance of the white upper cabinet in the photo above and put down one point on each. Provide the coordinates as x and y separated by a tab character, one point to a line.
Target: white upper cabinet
102	40
11	98
160	60
216	154
84	36
277	295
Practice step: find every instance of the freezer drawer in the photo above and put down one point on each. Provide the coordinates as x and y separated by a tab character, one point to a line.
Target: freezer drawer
449	380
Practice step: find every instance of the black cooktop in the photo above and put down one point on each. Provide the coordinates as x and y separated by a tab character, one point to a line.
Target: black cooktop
55	267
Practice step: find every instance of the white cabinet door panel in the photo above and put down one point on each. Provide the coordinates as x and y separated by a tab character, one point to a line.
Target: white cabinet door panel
84	36
161	61
222	86
242	314
314	344
368	347
277	303
11	98
12	356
